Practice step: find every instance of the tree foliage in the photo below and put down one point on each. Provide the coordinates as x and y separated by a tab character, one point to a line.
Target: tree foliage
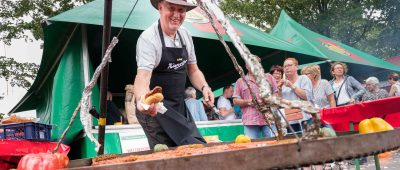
17	19
20	74
370	25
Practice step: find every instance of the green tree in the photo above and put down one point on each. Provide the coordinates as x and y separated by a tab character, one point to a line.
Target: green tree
18	18
369	25
19	74
387	42
21	16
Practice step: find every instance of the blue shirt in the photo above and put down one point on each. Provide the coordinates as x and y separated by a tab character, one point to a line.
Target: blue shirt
304	83
196	108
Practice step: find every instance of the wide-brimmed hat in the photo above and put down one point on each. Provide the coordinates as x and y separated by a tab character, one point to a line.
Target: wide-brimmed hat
189	6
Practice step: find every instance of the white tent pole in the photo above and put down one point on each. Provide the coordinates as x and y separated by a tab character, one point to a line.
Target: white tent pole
85	61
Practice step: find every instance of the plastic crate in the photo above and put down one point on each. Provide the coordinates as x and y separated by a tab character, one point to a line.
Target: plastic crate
26	131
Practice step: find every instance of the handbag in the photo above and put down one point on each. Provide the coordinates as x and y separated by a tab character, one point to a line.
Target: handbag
293	114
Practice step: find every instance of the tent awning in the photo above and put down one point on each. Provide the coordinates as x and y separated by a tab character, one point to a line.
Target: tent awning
289	30
144	15
212	58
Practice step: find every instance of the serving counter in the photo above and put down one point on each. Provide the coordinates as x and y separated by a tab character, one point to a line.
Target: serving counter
131	138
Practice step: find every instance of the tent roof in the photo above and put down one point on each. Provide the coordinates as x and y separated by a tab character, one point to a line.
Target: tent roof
394	60
289	30
144	15
212	58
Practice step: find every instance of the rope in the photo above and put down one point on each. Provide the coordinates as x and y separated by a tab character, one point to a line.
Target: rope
84	102
130	13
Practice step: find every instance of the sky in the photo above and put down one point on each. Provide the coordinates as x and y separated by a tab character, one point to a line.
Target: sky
21	51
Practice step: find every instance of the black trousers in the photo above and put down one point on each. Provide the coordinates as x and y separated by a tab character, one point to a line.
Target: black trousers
154	132
170	128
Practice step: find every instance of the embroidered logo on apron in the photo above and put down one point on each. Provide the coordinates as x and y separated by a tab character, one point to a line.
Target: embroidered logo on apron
175	66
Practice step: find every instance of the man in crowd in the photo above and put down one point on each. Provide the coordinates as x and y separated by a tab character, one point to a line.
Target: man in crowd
195	107
224	105
253	120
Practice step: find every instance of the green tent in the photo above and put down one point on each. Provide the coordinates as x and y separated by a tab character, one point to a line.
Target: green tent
72	48
361	64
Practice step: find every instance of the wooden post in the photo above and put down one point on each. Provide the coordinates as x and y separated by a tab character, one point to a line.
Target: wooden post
104	75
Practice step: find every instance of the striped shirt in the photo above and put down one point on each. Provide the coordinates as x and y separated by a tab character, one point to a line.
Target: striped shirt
250	115
321	93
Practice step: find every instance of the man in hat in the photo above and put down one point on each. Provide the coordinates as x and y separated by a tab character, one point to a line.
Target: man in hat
165	56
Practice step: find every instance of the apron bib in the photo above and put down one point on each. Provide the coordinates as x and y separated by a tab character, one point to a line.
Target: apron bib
170	74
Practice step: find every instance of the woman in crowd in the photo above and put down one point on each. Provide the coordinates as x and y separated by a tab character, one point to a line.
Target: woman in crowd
294	86
395	84
323	96
373	91
347	89
277	72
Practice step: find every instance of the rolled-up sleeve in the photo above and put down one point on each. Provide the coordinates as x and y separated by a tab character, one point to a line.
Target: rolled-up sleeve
192	55
145	54
238	86
272	82
306	84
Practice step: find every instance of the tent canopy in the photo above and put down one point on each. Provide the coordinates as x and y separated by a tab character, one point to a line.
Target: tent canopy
212	58
394	60
361	64
72	44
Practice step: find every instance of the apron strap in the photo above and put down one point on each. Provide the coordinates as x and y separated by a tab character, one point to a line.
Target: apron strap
161	34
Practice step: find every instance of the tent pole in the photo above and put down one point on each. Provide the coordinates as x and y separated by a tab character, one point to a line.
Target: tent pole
104	75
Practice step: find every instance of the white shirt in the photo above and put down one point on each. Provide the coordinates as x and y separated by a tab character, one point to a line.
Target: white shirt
343	96
225	103
397	85
149	47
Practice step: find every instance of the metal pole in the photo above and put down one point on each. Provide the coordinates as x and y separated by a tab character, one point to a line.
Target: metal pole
356	160
104	75
377	164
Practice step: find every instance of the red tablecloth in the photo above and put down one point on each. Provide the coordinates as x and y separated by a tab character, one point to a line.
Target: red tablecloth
12	150
340	117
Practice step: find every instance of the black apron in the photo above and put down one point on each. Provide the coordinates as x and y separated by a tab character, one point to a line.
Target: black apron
170	74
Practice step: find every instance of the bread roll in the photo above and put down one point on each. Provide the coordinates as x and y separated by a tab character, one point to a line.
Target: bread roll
154	96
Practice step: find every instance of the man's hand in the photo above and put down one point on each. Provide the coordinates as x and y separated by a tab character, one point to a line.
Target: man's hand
289	84
260	102
250	102
152	111
280	84
208	96
141	87
352	101
198	81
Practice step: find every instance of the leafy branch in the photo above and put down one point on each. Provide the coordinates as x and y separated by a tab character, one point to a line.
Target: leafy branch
19	74
22	16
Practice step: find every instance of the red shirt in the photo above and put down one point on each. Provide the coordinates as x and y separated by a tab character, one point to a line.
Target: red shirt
250	115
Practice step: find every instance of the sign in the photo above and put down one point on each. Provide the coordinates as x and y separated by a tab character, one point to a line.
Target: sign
133	141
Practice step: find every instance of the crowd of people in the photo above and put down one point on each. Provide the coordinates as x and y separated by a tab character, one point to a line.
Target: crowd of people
285	82
165	57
